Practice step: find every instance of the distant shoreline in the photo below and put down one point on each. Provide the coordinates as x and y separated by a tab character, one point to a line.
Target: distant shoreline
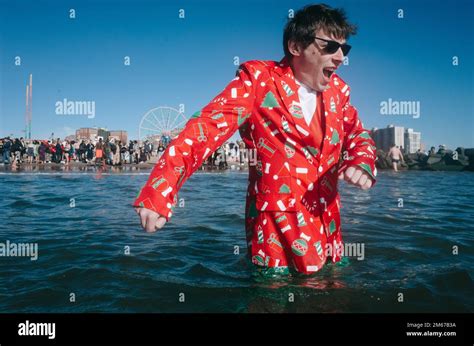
144	167
98	168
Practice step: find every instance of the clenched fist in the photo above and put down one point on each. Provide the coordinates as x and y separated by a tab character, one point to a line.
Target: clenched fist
357	176
150	220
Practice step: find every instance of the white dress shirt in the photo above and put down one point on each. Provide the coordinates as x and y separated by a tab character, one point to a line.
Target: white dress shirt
308	101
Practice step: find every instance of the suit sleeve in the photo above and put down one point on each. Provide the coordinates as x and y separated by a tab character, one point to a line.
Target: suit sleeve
358	147
206	131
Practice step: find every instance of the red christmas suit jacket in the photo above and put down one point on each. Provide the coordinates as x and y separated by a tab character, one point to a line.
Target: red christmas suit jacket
293	204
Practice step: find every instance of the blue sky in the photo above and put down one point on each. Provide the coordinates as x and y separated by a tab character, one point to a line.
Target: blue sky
190	60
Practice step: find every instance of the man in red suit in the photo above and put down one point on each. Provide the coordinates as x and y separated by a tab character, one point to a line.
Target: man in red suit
296	114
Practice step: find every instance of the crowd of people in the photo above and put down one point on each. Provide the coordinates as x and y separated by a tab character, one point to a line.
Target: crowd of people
103	152
106	152
229	152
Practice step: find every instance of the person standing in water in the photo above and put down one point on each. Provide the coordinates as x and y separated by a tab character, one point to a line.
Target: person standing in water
396	156
296	114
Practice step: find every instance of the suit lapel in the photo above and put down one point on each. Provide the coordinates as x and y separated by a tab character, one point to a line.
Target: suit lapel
288	91
332	129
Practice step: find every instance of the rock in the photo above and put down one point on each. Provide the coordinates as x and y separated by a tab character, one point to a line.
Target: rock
445	160
434	159
382	161
469	153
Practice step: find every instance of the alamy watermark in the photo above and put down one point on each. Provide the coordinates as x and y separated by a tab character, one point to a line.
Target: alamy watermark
346	250
392	107
10	249
37	329
68	107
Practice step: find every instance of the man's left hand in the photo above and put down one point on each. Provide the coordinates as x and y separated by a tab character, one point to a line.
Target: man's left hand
357	176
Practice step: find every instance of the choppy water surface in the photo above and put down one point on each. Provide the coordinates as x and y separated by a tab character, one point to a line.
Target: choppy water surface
408	249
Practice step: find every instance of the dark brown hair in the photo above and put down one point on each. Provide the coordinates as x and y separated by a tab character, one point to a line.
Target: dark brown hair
302	27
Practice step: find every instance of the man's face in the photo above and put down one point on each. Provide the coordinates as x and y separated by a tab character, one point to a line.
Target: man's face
316	64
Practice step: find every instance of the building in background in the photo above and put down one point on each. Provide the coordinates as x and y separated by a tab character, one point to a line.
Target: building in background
406	139
93	133
29	108
70	138
103	133
86	133
175	132
412	141
119	135
154	138
384	138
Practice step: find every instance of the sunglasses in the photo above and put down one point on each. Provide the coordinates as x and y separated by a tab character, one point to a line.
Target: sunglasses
333	46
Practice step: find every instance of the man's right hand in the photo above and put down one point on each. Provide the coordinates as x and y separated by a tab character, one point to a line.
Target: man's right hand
150	220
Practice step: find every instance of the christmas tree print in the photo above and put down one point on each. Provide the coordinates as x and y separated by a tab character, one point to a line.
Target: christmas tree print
196	115
332	226
367	168
285	189
335	137
312	150
270	101
253	209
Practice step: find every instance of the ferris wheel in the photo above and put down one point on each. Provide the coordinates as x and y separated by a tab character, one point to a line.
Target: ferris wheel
161	121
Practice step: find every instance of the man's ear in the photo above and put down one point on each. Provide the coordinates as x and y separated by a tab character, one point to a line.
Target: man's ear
294	48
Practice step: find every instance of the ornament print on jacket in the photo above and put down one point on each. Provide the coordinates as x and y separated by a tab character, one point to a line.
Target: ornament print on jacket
293	205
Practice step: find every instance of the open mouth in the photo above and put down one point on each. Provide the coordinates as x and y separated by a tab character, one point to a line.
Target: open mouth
328	72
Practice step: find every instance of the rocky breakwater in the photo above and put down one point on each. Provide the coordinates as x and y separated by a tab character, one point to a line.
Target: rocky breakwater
460	159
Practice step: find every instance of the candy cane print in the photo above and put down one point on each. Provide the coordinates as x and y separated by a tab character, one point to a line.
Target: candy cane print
287	89
319	249
260	235
284	124
301	220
